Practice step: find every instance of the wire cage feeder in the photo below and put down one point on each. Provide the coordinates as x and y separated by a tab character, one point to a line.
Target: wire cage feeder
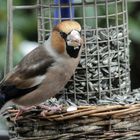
103	72
101	78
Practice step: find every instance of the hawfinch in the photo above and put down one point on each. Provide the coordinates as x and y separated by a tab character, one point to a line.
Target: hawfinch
44	72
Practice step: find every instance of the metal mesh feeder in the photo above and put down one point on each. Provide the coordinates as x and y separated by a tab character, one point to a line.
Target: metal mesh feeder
103	73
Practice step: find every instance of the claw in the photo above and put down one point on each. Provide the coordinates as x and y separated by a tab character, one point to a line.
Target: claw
50	109
20	111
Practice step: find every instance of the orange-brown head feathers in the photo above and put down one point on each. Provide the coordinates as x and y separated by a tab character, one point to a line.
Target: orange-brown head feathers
68	26
66	37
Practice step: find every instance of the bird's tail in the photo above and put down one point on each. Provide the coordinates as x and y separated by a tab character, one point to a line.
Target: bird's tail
2	99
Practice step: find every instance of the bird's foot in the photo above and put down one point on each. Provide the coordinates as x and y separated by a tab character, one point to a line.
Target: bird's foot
17	113
50	109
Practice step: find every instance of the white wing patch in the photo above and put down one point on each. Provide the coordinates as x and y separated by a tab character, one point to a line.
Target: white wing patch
38	80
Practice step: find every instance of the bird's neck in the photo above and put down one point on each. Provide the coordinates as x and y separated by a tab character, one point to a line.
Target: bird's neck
48	47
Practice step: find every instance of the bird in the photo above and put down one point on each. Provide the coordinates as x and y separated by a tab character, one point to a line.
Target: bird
44	71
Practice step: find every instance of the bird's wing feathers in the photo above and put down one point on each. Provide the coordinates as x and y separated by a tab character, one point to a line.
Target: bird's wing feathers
30	71
35	63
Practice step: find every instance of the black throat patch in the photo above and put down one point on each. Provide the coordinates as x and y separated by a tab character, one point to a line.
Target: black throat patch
72	51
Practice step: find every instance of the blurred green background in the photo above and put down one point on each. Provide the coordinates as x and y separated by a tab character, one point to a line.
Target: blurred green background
25	28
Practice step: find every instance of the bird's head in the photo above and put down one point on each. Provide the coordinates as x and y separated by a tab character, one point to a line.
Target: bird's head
66	38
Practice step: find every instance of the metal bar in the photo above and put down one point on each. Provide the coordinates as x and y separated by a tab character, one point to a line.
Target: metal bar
127	44
25	7
108	44
117	30
98	54
85	49
133	0
40	22
50	18
9	41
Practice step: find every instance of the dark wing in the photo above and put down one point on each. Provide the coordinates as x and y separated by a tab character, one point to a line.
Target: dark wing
35	63
28	74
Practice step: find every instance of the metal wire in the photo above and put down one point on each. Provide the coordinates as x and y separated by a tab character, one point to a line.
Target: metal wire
9	41
105	78
103	73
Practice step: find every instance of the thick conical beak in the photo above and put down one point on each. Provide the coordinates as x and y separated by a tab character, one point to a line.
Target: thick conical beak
74	39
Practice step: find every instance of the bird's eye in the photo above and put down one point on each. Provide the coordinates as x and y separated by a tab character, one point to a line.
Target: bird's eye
63	35
80	32
46	37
